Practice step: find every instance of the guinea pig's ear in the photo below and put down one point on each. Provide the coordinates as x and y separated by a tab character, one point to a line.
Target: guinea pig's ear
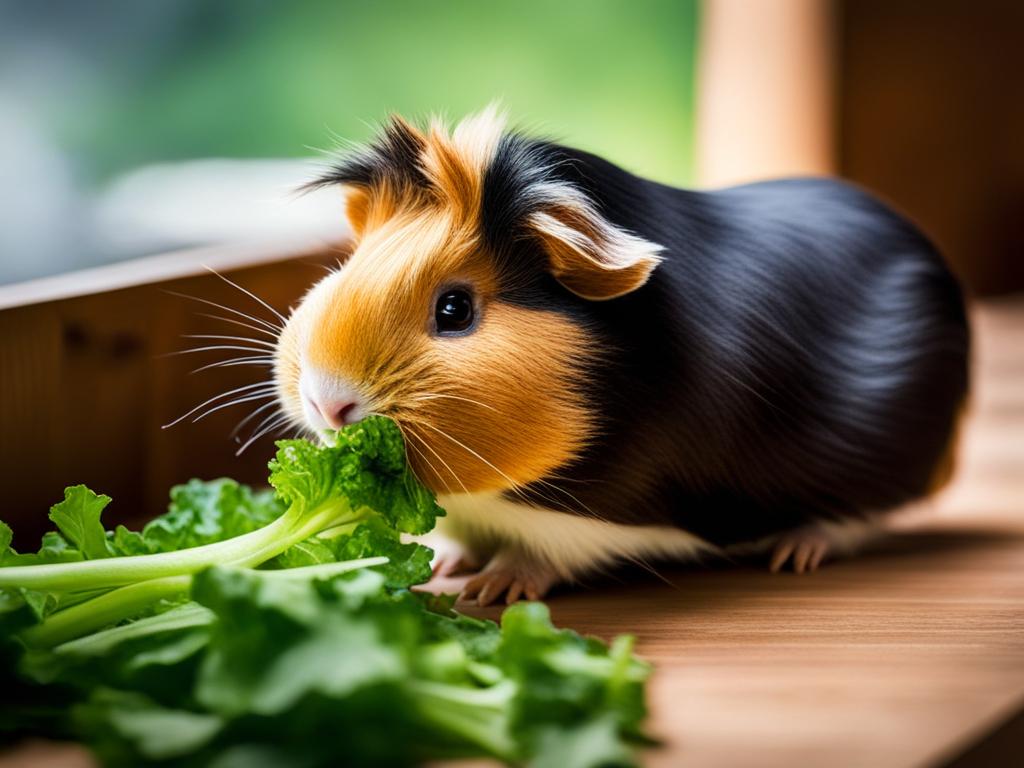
589	255
357	208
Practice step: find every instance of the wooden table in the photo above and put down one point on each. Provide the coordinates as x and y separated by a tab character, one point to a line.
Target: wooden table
911	654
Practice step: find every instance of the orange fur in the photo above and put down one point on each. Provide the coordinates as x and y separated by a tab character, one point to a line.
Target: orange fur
454	162
492	410
357	210
481	412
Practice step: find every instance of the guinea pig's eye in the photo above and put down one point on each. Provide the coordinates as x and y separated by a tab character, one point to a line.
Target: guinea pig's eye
453	312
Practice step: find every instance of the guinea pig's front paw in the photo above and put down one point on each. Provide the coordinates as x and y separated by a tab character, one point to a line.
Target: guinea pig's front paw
806	547
512	575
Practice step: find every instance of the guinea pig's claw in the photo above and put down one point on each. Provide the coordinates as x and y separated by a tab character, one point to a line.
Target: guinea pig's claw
513	579
804	547
488	586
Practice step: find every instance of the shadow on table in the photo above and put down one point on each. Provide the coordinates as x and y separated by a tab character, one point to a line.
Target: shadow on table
716	582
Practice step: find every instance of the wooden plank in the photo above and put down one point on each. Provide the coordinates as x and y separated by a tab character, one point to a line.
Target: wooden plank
30	351
892	659
165	267
86	382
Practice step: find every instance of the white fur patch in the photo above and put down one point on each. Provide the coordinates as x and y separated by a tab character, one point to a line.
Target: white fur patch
477	135
845	537
604	243
570	544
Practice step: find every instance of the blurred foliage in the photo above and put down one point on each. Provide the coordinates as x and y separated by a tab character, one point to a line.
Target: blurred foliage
251	78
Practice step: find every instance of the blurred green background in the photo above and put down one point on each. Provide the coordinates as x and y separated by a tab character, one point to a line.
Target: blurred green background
245	78
113	85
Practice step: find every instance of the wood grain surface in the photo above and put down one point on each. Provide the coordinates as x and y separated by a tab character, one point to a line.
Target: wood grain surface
910	654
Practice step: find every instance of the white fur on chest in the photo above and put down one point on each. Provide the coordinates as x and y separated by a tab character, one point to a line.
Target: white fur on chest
570	544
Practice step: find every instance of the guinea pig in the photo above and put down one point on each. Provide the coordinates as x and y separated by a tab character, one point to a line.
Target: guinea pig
590	367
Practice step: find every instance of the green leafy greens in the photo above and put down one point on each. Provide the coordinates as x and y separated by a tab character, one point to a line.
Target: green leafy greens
363	477
277	628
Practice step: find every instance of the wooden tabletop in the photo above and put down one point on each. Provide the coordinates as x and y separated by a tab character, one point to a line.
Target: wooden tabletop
910	654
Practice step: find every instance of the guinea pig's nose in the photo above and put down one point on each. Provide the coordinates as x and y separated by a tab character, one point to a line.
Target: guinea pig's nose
329	402
337	413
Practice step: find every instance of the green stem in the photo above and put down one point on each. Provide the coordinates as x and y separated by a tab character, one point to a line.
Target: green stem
323	570
117	571
125	602
245	551
274	547
106	609
478	715
337	530
98	643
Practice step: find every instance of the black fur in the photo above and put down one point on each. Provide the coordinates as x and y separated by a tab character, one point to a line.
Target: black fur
800	354
393	157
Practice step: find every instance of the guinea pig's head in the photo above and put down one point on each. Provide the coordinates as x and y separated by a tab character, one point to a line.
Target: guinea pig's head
461	312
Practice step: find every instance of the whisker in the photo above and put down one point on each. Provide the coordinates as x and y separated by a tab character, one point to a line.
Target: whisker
433	469
250	294
409	444
405	441
259	321
640	561
212	348
261	342
280	422
436	395
265	421
319	265
514	486
554	487
265	361
470	450
236	401
214	399
250	417
536	494
579	480
240	323
445	463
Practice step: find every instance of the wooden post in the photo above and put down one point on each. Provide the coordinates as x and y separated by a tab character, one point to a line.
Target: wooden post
765	90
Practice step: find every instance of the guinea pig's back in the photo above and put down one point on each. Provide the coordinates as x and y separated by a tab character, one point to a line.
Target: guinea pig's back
854	338
804	345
